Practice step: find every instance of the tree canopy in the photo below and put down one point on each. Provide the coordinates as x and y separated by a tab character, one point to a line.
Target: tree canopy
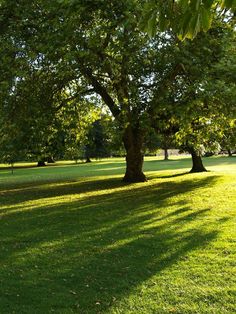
62	54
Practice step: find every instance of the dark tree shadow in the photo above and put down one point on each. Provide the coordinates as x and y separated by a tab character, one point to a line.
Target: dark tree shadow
174	175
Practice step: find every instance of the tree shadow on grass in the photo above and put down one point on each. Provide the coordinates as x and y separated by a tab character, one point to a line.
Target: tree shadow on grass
86	255
20	193
43	190
71	185
174	175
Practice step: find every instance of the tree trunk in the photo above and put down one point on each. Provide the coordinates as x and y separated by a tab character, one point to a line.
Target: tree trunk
88	159
197	161
50	160
229	152
133	142
41	163
166	155
12	168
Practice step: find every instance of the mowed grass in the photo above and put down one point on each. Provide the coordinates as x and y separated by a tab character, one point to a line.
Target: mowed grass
75	239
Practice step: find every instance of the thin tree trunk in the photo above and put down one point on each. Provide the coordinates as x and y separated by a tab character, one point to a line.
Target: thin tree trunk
133	142
12	168
88	159
50	160
197	164
229	152
166	155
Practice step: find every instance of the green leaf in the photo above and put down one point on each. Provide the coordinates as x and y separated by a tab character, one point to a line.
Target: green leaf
163	22
207	3
195	4
151	27
229	4
185	24
194	26
206	19
184	5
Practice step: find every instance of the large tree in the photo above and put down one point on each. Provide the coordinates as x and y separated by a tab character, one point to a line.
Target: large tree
97	48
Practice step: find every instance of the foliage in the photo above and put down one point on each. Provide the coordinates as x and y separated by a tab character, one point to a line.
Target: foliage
228	140
186	17
76	51
192	107
103	139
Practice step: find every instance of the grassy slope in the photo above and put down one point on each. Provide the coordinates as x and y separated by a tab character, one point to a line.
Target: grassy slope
75	239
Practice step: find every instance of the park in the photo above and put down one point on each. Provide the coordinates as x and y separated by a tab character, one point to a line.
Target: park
117	156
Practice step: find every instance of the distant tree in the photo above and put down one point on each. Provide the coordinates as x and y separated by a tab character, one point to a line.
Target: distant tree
228	139
97	140
103	139
11	148
152	142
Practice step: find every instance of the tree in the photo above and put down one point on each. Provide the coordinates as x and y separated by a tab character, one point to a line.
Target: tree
98	48
228	139
98	142
191	106
11	149
88	47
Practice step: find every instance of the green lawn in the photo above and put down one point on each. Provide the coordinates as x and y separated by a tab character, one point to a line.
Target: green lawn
75	239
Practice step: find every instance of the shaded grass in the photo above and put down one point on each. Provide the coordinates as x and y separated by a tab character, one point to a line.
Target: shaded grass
75	239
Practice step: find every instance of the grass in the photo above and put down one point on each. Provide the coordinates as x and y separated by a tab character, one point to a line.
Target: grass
75	239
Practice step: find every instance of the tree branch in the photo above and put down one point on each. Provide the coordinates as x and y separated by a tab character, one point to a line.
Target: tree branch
101	90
